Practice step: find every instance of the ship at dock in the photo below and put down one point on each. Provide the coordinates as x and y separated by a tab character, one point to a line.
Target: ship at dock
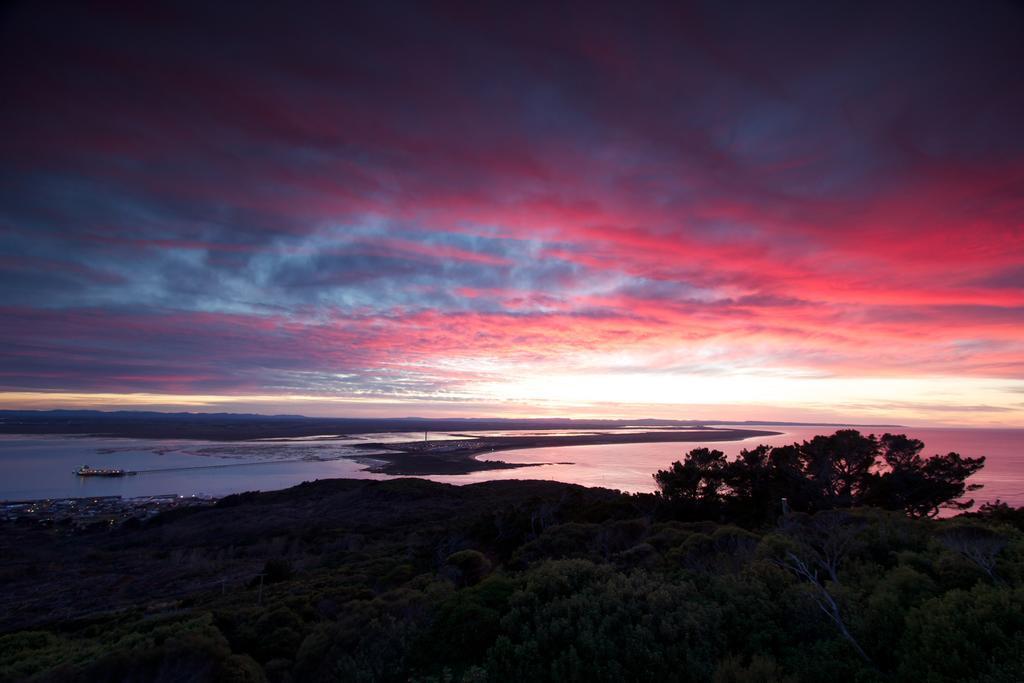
86	471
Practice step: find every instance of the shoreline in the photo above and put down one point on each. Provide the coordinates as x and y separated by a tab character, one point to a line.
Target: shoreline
424	458
228	428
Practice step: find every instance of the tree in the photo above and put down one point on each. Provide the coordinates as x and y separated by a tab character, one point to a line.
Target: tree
469	567
901	452
846	469
822	597
755	484
1000	512
825	538
919	486
839	465
697	483
977	544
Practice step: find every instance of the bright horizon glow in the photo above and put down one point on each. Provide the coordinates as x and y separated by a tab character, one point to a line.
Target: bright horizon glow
923	402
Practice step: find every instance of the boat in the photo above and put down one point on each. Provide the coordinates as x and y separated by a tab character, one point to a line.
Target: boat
86	471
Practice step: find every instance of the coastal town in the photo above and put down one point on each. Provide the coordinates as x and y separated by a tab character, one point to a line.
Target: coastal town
85	513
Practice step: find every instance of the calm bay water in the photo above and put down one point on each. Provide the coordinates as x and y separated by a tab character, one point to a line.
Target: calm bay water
629	467
41	467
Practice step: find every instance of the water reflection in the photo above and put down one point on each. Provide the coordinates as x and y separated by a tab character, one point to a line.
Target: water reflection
40	467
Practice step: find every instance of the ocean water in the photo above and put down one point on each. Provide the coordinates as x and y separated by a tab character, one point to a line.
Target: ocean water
630	467
42	467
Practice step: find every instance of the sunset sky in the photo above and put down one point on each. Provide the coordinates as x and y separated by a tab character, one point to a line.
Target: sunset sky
715	210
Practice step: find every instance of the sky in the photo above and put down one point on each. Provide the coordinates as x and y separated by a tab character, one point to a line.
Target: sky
722	210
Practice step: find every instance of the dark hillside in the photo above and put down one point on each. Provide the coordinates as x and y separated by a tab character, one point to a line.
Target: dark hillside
50	573
509	581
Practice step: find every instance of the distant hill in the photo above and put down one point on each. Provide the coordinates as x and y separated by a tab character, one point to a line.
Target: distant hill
240	426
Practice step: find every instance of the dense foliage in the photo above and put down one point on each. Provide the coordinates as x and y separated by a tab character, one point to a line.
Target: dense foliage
844	470
509	581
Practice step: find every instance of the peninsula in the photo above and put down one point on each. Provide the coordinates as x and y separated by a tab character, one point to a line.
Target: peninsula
459	456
